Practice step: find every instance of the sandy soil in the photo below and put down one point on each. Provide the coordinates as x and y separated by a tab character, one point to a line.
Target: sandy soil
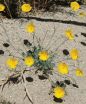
39	89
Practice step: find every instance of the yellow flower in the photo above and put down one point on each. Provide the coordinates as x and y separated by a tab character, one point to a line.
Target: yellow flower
74	54
63	68
26	7
12	63
82	14
69	34
74	6
30	28
29	61
43	55
2	7
59	92
79	72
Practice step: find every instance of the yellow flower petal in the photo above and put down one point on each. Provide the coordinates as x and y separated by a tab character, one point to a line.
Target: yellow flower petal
12	63
74	54
82	14
29	61
30	28
69	34
79	72
63	68
74	6
2	7
26	7
59	92
43	55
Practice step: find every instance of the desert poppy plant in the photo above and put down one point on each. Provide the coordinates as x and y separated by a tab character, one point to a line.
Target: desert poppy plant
79	72
12	63
59	92
63	68
2	7
74	54
43	55
69	34
82	14
74	6
29	61
30	28
26	7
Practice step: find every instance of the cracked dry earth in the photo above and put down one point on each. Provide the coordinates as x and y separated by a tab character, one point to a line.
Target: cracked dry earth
39	89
